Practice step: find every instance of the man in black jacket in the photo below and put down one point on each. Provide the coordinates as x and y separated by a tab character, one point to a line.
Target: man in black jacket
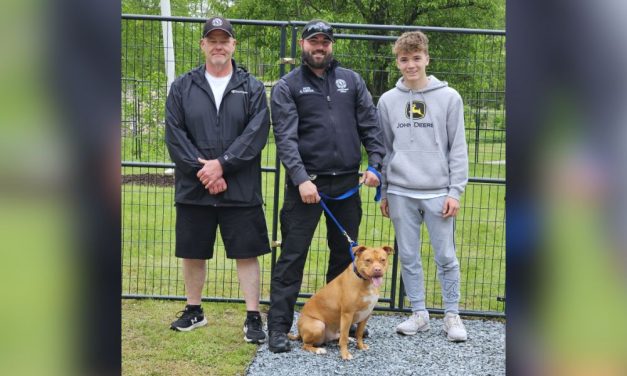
321	115
217	123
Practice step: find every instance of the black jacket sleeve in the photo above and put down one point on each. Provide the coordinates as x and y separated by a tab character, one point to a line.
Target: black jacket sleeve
285	127
249	144
182	151
368	124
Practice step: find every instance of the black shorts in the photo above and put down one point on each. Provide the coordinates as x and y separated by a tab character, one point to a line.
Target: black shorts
243	231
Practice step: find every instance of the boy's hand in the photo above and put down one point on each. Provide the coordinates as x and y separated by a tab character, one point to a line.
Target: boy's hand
385	209
451	207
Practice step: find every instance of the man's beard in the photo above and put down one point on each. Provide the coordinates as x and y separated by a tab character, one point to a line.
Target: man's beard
309	60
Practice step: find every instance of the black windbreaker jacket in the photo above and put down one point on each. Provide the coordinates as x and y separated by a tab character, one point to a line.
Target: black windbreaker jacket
319	123
235	137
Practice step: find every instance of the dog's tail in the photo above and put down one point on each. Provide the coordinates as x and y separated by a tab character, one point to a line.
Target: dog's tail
293	337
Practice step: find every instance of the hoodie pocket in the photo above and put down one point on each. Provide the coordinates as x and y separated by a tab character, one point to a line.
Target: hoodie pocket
418	170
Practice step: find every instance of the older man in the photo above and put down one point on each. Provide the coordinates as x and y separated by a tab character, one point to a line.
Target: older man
217	123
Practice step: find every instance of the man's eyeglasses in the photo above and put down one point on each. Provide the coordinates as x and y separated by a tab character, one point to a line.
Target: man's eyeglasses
319	28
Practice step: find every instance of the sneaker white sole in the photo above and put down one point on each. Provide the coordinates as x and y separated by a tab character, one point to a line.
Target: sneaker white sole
192	327
254	341
452	339
411	333
250	340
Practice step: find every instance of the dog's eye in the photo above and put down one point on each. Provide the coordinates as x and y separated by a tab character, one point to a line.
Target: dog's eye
368	260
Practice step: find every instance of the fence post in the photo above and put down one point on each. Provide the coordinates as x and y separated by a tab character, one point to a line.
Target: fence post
277	164
477	123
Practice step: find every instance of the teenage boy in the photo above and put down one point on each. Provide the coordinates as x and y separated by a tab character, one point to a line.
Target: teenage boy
424	175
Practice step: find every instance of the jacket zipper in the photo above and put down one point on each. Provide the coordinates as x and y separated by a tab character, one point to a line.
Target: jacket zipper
328	96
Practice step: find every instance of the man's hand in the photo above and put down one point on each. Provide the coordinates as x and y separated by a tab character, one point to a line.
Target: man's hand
385	208
309	192
218	187
370	179
210	172
451	207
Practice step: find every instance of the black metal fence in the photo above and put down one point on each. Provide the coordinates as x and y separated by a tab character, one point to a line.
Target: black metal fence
472	61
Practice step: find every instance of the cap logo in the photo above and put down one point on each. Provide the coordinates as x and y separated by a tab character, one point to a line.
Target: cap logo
216	22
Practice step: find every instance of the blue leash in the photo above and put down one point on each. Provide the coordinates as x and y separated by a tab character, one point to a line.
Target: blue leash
349	193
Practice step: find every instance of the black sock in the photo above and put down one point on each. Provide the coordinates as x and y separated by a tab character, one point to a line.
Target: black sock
250	314
195	308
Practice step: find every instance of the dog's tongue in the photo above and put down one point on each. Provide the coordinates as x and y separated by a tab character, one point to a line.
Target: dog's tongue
376	281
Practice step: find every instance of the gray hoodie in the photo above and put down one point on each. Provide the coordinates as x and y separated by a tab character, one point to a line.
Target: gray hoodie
425	143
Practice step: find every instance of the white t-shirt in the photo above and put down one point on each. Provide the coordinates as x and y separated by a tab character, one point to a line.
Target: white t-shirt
218	84
416	195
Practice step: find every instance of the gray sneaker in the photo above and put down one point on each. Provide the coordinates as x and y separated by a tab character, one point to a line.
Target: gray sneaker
417	322
454	328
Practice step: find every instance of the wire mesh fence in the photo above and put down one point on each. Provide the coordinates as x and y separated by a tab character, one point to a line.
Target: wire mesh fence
472	61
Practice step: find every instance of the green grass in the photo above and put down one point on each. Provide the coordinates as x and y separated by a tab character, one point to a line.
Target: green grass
150	348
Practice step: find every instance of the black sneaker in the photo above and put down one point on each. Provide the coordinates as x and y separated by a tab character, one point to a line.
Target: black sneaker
189	319
353	330
279	342
253	329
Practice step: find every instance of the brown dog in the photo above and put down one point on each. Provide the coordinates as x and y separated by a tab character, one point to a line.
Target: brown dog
348	299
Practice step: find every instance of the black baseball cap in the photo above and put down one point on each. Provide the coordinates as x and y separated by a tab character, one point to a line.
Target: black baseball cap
316	27
218	23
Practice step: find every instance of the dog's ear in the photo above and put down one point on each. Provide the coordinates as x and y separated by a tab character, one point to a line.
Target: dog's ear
358	250
389	250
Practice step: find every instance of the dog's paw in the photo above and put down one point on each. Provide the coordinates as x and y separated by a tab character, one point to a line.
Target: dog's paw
347	356
363	346
321	351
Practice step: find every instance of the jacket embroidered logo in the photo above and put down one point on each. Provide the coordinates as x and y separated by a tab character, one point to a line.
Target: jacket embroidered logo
416	109
307	89
341	85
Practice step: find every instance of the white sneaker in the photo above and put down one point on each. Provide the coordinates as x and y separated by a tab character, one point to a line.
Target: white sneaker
454	328
417	322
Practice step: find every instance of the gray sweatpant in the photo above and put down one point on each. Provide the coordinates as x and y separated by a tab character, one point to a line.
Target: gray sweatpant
407	215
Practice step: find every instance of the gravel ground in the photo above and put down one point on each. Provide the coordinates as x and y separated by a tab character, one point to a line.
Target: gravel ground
428	353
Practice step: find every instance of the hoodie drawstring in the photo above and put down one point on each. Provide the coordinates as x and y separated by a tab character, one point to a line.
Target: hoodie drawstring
411	116
435	133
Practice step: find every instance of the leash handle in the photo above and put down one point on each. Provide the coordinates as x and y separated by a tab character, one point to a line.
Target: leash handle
352	191
343	196
377	196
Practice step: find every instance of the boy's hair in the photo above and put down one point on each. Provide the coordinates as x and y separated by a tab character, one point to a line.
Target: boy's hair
411	41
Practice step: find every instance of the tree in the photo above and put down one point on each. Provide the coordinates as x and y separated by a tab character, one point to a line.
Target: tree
472	64
484	14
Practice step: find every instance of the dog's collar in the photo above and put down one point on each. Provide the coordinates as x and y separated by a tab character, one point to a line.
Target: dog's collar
357	272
